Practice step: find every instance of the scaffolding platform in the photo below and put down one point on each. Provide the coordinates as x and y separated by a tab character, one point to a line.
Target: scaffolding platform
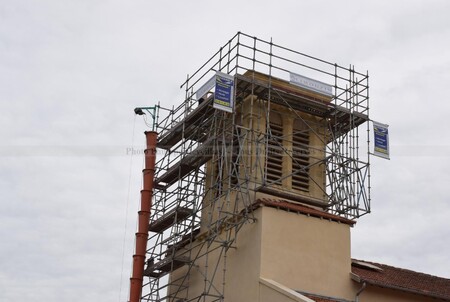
165	266
190	127
343	120
185	240
167	220
190	162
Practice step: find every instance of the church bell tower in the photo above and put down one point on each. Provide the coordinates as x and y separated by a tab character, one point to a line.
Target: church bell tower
258	177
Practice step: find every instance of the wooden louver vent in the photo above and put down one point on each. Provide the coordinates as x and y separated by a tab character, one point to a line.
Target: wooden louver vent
275	154
300	160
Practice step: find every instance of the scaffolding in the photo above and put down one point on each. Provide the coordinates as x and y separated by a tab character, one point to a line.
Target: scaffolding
213	165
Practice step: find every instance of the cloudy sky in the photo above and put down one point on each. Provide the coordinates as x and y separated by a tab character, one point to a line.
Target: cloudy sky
71	73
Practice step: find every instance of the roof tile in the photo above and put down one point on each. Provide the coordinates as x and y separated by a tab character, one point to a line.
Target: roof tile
403	279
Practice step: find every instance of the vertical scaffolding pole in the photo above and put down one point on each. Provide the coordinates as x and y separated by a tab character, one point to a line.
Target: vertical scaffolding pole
143	218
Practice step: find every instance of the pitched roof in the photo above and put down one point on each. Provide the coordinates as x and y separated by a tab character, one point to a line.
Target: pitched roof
401	279
300	208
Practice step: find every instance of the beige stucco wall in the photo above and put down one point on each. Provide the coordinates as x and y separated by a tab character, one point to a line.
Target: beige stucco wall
270	291
243	264
306	253
241	271
303	253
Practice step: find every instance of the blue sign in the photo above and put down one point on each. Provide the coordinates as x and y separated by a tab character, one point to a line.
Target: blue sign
381	140
224	95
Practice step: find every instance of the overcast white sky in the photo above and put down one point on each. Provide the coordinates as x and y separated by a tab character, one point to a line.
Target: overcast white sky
71	73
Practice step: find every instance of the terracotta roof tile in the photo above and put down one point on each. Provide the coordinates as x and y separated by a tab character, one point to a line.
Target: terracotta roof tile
302	209
402	279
